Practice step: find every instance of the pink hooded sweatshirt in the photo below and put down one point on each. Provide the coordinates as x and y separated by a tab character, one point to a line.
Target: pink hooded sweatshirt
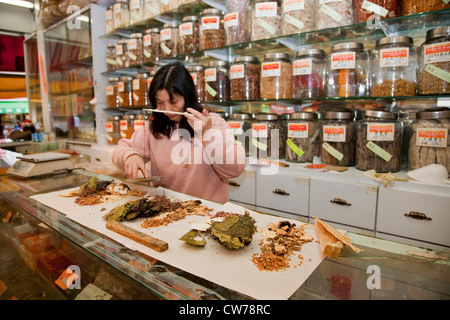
188	166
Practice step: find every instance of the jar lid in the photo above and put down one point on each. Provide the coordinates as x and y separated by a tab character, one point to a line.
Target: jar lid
267	116
212	11
339	114
152	30
311	52
126	78
128	117
141	116
438	32
395	40
170	25
190	18
353	46
246	59
114	118
142	75
195	68
241	116
380	114
277	55
303	115
113	79
111	45
136	35
218	63
436	113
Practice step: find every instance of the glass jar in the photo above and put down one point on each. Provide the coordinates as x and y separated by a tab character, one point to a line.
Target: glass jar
121	57
303	137
429	142
394	67
379	9
338	137
417	6
245	78
198	75
217	81
111	63
169	40
127	126
134	49
212	30
331	14
109	20
348	66
378	142
151	8
265	19
189	35
297	16
121	11
268	136
241	125
112	98
140	90
235	22
125	92
136	11
151	49
434	62
276	76
112	128
139	121
309	71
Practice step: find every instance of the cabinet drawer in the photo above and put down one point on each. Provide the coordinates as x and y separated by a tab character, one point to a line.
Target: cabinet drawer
415	215
345	202
243	188
283	192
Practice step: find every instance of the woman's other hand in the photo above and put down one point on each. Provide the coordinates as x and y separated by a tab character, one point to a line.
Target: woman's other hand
199	121
133	165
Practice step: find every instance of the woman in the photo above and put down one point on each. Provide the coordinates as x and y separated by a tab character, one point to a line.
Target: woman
194	152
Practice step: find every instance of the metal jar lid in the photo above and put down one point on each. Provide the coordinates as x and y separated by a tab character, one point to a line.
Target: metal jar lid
114	118
267	116
311	52
438	32
152	30
212	11
113	79
111	45
277	56
402	40
339	114
126	78
241	116
195	68
142	75
347	46
128	117
218	63
250	59
136	35
190	18
436	113
303	115
382	114
170	25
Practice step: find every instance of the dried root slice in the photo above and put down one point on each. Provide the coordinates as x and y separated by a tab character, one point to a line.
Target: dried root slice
331	241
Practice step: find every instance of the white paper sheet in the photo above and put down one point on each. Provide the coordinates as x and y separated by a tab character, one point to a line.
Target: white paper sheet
232	269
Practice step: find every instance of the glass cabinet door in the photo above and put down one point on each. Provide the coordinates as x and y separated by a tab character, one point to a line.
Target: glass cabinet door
32	78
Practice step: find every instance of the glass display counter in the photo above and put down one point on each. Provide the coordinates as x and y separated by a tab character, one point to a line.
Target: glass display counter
109	270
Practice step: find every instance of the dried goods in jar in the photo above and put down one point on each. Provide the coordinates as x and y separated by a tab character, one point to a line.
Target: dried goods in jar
127	126
309	71
169	40
140	90
112	128
235	22
111	63
212	29
125	92
121	12
137	13
297	16
241	125
382	9
434	62
333	13
112	98
151	8
268	136
276	76
198	76
417	6
245	78
151	49
265	19
134	49
121	49
217	81
303	137
109	20
189	35
378	142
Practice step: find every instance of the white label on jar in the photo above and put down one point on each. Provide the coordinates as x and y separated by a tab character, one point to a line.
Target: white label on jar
109	90
333	14
194	77
343	60
123	124
237	71
236	127
151	8
302	67
328	1
165	34
137	124
334	152
119	50
438	72
109	127
210	23
186	29
298	130
266	9
165	48
147	40
271	69
132	44
108	15
231	20
375	8
260	130
430	137
132	56
210	90
117	7
334	133
397	57
136	84
380	131
293	5
134	4
293	21
210	75
383	154
120	87
437	52
266	26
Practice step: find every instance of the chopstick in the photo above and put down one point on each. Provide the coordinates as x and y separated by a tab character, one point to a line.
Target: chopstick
167	111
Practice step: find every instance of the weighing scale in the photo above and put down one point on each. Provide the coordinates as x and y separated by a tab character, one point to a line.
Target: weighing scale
40	164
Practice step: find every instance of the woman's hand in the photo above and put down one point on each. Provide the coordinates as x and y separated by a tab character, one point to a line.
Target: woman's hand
199	121
133	165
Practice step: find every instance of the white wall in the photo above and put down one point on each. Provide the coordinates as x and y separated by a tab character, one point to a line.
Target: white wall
16	19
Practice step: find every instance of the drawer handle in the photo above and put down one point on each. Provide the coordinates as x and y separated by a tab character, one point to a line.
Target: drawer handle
233	183
340	202
417	215
280	191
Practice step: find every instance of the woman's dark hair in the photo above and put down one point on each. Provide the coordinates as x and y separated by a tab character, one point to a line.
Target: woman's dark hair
175	79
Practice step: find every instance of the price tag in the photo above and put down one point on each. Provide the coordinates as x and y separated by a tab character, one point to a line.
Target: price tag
335	153
438	72
383	154
372	7
259	145
294	148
